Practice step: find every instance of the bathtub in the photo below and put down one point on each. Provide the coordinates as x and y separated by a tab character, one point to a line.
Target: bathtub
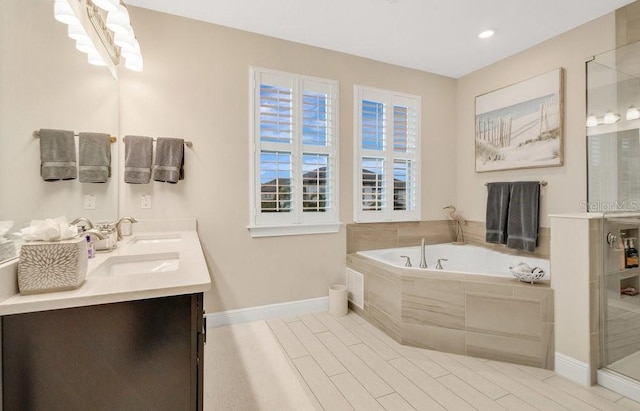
462	259
473	306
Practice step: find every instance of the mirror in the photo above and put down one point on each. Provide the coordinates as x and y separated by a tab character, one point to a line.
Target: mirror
613	138
46	83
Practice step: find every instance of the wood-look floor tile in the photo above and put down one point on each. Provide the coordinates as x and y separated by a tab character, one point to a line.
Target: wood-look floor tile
583	393
366	337
292	346
401	384
325	391
432	387
312	323
629	404
509	384
329	364
425	364
355	393
336	328
469	394
357	318
365	375
513	403
394	402
543	388
477	381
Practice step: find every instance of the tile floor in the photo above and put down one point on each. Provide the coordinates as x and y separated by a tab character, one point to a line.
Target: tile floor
319	362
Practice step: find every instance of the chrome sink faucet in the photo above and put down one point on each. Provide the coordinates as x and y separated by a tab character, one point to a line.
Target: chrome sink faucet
423	259
86	223
118	223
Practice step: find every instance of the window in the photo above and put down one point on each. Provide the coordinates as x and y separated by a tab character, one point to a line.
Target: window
387	149
294	166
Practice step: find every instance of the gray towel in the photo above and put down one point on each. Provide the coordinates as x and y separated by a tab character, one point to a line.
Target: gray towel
138	155
94	151
497	212
57	155
522	225
169	163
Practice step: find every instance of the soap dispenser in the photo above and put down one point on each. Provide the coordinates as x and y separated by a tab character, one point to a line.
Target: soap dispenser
631	254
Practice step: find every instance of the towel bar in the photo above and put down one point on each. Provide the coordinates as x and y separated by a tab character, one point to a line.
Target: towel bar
113	139
186	142
542	183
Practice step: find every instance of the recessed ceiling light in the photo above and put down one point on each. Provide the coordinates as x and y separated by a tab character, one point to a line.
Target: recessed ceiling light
486	34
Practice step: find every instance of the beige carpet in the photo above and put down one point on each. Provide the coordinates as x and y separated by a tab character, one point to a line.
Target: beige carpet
245	369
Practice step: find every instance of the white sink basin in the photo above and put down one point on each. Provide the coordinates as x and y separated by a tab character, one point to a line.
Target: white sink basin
137	264
155	239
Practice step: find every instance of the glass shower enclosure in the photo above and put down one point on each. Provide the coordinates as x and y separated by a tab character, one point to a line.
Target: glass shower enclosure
613	161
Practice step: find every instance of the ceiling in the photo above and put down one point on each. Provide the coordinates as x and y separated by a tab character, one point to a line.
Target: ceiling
437	36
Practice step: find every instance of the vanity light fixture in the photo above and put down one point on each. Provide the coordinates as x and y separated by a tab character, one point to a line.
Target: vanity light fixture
63	12
486	34
632	113
610	118
101	29
592	121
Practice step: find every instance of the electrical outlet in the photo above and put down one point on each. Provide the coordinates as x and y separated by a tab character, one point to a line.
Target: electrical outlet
146	201
89	202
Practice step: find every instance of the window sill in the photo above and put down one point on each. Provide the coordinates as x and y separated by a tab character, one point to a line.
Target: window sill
293	229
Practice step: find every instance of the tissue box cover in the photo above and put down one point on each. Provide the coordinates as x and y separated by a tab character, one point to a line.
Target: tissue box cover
52	266
7	250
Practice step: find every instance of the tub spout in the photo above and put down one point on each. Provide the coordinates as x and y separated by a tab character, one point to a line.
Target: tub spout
423	259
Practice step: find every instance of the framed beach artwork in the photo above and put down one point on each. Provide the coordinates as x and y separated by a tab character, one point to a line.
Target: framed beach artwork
520	126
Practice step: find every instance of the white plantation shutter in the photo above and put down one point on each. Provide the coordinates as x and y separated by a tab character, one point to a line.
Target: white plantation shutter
295	149
387	156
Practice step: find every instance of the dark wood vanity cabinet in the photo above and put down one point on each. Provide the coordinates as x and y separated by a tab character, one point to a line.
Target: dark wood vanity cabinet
134	355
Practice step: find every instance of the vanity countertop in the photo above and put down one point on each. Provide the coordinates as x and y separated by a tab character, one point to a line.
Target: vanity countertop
191	275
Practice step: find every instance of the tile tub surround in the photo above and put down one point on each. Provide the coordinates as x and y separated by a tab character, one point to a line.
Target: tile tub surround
481	316
374	236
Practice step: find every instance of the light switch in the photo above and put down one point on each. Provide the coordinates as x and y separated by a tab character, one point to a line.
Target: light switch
146	201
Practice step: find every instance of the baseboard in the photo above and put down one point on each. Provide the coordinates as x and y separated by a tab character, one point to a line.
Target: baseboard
266	312
620	384
573	369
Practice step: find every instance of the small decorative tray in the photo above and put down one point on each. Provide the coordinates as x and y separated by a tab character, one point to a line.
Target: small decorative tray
527	274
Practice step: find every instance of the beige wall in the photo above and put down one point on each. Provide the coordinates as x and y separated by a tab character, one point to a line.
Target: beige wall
46	83
567	184
195	85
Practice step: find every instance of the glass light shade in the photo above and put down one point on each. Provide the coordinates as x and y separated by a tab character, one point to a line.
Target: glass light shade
107	5
118	20
95	59
63	12
633	113
132	53
76	32
592	121
610	118
134	63
86	46
126	41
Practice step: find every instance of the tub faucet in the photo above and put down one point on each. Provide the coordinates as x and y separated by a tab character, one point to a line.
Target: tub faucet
423	259
408	262
439	265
